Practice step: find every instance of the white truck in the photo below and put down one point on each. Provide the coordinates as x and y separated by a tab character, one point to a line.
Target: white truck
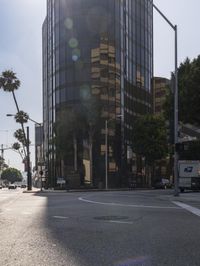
189	175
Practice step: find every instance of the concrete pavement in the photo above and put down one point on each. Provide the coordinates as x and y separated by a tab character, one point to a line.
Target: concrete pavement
117	228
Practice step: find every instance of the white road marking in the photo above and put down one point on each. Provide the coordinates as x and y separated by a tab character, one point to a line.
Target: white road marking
26	213
128	205
3	197
8	209
60	217
187	207
120	222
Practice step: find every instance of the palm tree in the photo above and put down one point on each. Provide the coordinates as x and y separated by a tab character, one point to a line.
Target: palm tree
21	117
9	83
16	147
19	135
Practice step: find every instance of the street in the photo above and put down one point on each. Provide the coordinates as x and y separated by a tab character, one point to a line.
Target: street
115	228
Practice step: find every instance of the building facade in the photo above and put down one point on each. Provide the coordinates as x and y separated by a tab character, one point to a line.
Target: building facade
100	50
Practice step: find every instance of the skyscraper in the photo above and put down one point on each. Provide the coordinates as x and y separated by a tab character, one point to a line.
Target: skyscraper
102	50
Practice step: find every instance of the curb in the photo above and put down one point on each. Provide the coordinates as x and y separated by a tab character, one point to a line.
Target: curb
86	190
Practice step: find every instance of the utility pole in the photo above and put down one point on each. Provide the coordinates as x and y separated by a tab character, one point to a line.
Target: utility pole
176	155
29	180
2	151
1	166
106	153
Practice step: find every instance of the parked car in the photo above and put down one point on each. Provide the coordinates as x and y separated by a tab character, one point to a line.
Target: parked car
12	186
23	186
164	183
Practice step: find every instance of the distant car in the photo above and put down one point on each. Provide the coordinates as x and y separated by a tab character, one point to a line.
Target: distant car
12	186
1	187
23	186
163	184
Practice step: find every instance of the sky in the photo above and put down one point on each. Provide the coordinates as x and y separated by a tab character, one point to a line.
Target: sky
21	50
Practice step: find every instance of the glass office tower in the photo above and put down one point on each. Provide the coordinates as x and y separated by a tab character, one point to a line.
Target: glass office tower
101	49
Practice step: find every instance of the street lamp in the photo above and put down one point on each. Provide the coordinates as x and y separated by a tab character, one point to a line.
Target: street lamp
29	177
174	27
106	148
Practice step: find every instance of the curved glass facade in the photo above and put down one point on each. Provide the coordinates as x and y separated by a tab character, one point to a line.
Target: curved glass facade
102	48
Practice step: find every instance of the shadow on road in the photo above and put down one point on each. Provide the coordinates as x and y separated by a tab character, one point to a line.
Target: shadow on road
81	232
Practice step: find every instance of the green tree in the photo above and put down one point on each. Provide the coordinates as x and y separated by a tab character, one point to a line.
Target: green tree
12	175
150	139
68	128
91	108
189	93
74	125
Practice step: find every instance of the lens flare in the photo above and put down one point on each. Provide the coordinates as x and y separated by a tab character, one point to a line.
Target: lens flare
85	92
73	42
68	23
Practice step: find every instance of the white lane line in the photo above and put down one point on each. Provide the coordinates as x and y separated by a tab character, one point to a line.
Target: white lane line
8	209
187	207
26	213
128	205
60	217
120	222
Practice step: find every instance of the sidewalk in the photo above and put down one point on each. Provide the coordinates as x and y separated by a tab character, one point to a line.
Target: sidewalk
183	197
34	190
38	190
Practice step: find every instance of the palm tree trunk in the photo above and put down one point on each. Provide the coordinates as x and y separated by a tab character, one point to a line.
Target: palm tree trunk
13	93
22	125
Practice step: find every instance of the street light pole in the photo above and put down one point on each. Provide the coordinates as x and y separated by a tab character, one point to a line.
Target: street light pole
106	148
29	179
174	27
106	153
176	155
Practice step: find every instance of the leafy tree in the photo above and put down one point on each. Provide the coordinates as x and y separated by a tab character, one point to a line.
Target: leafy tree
12	175
68	129
189	93
74	125
91	108
150	138
1	163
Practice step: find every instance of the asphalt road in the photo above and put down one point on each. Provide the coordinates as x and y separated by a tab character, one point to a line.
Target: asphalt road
121	228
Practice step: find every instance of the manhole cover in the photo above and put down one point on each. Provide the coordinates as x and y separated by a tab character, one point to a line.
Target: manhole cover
111	217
